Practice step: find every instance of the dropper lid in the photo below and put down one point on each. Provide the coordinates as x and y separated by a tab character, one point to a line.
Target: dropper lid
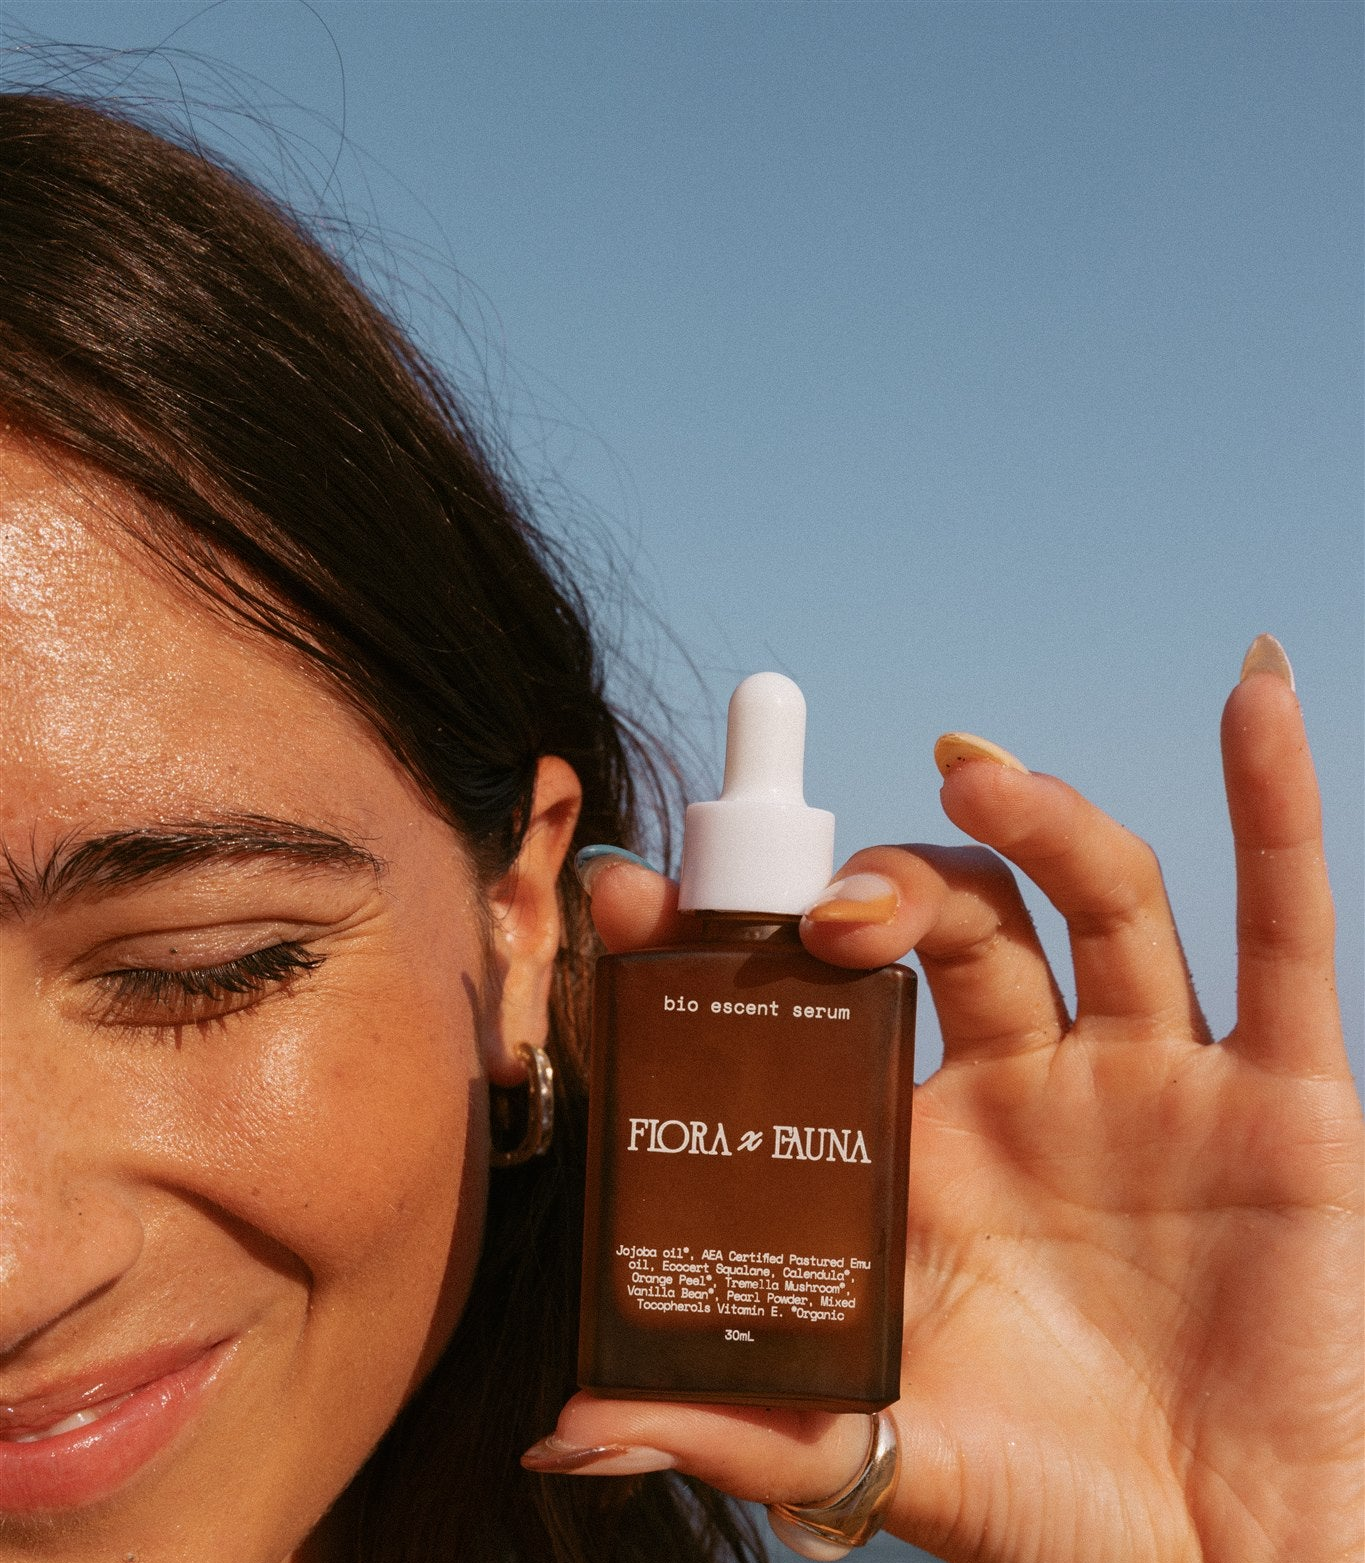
758	847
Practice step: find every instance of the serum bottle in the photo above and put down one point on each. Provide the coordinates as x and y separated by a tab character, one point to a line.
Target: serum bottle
749	1131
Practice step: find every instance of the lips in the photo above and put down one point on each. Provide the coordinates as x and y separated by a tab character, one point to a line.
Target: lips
68	1424
75	1442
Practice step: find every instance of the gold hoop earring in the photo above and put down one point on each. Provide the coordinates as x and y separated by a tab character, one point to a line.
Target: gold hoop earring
540	1109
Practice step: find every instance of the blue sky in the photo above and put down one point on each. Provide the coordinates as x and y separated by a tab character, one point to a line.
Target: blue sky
993	366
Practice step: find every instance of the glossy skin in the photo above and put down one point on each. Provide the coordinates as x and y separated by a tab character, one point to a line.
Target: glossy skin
1134	1276
298	1171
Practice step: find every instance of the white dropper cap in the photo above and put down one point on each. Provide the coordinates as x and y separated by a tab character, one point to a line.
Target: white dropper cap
758	847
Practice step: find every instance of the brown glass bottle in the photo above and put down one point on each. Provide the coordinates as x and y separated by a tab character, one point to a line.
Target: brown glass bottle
747	1173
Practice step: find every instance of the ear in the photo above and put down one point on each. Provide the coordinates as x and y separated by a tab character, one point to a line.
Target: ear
524	908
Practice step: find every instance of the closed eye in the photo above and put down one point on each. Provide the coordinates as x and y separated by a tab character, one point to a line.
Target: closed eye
151	995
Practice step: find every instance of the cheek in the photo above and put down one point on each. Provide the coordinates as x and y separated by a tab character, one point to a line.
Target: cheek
326	1177
351	1138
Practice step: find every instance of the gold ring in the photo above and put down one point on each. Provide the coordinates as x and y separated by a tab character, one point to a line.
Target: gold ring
825	1531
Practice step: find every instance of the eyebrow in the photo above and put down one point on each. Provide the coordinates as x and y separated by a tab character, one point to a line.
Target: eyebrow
81	866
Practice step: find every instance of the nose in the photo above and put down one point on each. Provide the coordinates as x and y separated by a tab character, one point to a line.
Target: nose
67	1231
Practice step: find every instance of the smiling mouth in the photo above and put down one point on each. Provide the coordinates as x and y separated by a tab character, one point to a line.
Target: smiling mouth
69	1424
56	1456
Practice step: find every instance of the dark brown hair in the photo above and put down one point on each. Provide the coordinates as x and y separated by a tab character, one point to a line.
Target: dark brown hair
309	470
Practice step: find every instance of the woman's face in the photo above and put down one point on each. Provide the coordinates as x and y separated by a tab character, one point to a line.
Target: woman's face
249	998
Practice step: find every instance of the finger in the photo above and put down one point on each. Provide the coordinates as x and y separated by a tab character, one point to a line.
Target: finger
984	965
770	1455
1286	994
633	907
1130	971
961	911
759	1453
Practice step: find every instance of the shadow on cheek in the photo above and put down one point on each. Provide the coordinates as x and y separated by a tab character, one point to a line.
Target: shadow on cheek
465	1233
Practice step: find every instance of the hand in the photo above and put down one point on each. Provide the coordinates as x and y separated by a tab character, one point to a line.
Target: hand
1134	1264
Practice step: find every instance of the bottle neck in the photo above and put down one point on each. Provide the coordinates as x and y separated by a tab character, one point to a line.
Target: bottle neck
768	928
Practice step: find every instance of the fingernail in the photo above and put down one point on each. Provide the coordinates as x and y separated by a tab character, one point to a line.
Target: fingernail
593	861
954	748
553	1455
1266	655
861	898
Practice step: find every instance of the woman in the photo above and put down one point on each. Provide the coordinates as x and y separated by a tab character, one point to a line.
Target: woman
299	734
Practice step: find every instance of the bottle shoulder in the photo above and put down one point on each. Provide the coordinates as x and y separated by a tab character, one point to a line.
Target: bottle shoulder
793	960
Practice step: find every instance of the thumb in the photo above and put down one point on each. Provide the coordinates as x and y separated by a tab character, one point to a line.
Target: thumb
633	906
762	1454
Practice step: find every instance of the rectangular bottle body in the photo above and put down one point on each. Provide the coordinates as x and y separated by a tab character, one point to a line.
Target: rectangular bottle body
747	1173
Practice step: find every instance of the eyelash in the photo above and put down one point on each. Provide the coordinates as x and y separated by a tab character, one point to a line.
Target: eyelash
196	992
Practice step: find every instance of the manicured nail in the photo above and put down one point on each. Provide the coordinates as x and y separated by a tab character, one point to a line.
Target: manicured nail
553	1455
954	748
861	898
1266	655
592	861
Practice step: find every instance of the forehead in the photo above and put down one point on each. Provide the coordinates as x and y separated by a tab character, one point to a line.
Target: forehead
126	699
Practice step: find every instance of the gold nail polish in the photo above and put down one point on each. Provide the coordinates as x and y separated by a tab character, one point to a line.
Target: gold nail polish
556	1458
1267	655
861	898
956	748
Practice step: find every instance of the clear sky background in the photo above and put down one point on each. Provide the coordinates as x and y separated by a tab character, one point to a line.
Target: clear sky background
980	365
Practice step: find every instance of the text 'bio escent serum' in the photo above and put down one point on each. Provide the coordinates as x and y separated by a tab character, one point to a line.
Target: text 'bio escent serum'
750	1119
